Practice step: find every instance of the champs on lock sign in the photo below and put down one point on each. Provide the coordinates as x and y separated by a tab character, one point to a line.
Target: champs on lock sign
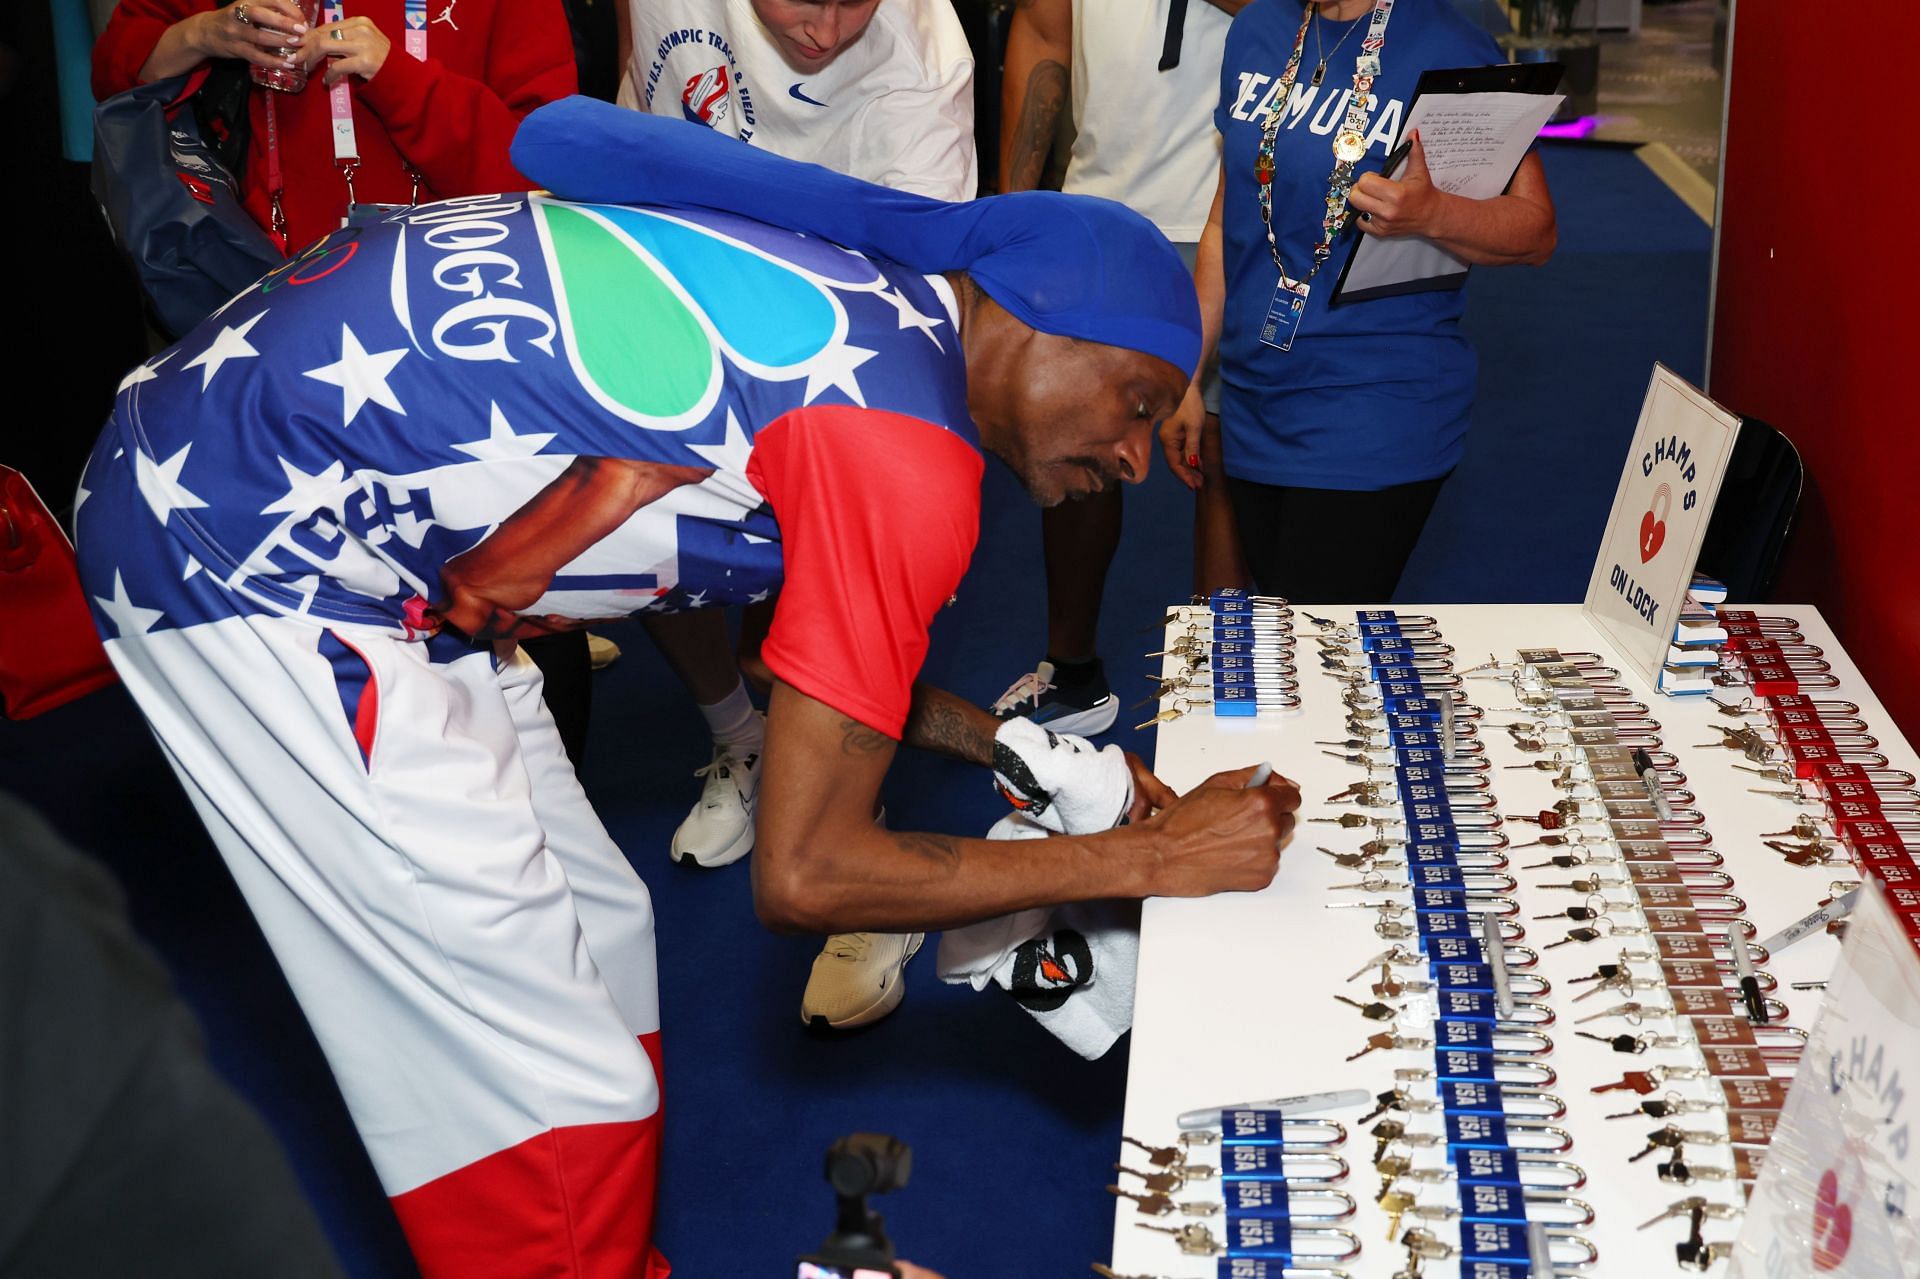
1675	453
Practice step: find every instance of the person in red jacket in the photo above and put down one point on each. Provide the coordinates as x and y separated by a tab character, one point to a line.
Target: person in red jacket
440	101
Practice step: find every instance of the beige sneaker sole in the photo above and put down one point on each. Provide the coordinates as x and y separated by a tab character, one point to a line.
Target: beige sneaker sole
888	1001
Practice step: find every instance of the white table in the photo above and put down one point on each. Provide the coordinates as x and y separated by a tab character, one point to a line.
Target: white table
1235	995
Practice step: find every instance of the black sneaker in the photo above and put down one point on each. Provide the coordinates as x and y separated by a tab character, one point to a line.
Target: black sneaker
1087	708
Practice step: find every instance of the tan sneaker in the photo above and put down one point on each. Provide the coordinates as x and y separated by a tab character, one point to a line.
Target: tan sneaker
858	978
601	651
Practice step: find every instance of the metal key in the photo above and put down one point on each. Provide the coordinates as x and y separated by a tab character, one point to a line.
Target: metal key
1373	1011
1667	1138
1623	983
1663	1107
1579	913
1171	1181
1640	1081
1158	1156
1632	1010
1589	885
1395	1204
1384	1134
1387	1040
1586	934
1154	1205
1426	1245
1673	1137
1391	955
1347	861
1677	1171
1352	821
1383	1103
1677	1209
1391	1169
1696	1253
1194	1239
1804	828
1158	1182
1619	979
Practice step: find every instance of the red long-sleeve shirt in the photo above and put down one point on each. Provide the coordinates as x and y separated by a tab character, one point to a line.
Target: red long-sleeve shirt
451	117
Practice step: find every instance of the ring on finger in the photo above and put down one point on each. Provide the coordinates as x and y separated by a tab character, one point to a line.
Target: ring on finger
240	15
337	34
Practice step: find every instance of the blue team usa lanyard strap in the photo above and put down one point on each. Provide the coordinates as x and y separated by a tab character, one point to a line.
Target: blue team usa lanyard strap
1349	145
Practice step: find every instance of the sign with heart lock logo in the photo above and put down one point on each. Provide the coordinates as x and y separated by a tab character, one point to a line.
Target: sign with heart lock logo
1836	1195
1660	512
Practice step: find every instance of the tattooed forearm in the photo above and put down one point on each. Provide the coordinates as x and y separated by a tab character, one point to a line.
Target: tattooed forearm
947	725
1033	133
940	848
857	739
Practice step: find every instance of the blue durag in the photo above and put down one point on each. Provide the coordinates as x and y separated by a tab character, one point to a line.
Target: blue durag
1072	265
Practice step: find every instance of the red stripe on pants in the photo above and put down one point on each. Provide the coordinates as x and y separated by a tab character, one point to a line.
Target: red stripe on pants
571	1203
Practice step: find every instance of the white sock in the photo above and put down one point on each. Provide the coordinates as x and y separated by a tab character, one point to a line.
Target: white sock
734	722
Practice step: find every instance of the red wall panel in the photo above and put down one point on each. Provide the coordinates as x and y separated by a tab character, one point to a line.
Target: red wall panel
1814	319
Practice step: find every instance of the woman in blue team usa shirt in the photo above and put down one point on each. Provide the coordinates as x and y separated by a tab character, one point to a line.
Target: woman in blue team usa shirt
1338	425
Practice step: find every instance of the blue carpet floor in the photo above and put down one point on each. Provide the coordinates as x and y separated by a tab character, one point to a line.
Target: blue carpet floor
1012	1135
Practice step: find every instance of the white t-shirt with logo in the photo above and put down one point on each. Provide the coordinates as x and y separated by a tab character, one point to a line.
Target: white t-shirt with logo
1145	137
896	107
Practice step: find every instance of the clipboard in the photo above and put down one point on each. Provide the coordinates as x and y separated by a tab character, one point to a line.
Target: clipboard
1517	77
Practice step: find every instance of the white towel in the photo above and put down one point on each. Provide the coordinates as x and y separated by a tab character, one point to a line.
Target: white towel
1059	780
1072	966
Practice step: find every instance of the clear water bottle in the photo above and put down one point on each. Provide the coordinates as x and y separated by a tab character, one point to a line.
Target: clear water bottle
289	79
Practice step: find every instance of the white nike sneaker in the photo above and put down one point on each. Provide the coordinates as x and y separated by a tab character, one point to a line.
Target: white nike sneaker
719	830
858	978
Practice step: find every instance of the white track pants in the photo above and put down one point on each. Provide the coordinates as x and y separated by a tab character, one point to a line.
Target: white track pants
472	950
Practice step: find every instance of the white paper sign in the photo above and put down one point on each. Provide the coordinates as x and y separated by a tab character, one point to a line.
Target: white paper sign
1836	1193
1660	513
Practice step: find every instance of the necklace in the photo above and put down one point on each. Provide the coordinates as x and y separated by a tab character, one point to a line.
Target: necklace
1349	145
1320	72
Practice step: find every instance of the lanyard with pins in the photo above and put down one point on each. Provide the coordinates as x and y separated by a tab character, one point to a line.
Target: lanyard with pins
1349	145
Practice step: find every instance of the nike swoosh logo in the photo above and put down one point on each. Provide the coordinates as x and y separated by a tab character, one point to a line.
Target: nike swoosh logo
795	93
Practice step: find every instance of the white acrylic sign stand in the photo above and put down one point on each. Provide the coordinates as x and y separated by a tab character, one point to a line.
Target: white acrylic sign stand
1660	514
1836	1195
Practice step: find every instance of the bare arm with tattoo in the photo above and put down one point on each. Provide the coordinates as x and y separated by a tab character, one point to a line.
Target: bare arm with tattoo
822	866
1034	92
